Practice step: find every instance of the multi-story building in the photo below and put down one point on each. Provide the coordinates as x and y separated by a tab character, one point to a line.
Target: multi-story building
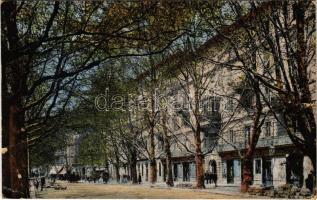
226	126
276	161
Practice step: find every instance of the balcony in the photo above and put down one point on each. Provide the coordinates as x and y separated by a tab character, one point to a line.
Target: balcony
211	116
263	142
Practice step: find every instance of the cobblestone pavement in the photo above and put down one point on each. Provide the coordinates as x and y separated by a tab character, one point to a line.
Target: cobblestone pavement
117	191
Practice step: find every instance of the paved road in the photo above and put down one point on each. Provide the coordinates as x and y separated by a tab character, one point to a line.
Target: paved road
115	191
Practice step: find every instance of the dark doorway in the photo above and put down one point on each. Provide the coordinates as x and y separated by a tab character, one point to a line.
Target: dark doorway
186	174
175	172
267	177
146	172
164	172
213	167
294	169
83	171
230	174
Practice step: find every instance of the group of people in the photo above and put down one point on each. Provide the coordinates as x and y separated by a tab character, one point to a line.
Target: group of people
97	176
125	178
211	177
73	177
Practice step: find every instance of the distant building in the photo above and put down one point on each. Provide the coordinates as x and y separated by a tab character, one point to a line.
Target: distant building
66	159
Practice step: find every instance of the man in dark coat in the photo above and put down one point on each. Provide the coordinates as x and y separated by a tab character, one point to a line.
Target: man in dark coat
209	176
139	179
215	178
42	182
206	177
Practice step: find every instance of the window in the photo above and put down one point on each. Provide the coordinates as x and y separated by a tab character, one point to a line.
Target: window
206	105
231	136
247	130
160	142
210	104
257	166
247	98
268	127
230	105
186	118
215	104
224	169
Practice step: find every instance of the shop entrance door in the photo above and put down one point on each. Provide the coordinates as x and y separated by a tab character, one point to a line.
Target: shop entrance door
230	174
175	172
186	171
267	177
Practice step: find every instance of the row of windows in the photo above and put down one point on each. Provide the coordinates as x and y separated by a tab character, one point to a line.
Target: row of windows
267	131
141	169
212	104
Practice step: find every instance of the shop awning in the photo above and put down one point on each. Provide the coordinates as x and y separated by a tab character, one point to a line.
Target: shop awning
57	170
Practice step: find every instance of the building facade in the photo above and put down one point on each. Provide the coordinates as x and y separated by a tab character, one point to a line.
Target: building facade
226	126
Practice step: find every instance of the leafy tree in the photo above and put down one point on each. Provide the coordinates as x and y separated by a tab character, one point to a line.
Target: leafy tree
47	46
279	37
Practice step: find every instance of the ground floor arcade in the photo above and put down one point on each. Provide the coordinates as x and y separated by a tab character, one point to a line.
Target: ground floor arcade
269	168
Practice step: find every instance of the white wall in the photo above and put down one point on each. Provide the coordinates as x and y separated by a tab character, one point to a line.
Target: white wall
279	171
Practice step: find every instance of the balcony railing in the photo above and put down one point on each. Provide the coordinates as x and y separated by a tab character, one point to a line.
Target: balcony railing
263	142
212	116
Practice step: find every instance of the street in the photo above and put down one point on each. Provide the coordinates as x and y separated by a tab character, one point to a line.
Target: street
116	191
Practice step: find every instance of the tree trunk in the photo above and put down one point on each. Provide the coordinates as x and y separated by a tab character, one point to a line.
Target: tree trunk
255	134
16	164
305	116
153	171
133	168
116	166
246	174
133	153
16	173
199	160
199	171
167	149
152	175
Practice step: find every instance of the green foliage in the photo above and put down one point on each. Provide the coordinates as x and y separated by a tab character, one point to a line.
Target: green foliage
43	152
93	149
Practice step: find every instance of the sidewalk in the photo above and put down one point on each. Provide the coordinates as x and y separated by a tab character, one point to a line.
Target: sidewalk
230	190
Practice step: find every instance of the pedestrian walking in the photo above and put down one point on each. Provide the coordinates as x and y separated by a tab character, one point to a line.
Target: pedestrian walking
42	182
215	178
139	179
36	184
212	177
105	177
206	177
